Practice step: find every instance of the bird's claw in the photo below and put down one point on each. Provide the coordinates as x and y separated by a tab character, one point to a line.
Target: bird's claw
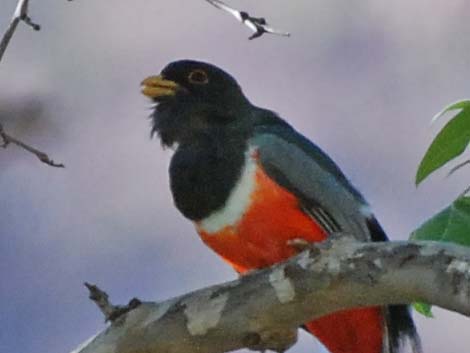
277	340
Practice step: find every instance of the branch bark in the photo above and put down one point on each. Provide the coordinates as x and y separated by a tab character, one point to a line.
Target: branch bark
262	310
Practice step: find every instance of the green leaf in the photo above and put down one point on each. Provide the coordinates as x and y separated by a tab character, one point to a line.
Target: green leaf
449	143
454	106
450	225
423	309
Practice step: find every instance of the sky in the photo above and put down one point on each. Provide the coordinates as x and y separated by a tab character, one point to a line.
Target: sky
362	79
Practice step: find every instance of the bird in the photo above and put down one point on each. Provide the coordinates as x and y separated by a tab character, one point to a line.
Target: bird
255	188
258	25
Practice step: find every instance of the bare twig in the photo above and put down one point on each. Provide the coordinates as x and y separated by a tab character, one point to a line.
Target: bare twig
111	312
20	14
457	167
465	192
43	157
263	309
258	25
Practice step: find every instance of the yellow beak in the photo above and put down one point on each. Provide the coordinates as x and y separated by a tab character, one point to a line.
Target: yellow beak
157	87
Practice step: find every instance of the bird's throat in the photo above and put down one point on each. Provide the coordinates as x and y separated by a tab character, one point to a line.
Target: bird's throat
203	174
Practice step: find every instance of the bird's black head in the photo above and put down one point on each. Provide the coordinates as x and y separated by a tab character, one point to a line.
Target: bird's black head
194	99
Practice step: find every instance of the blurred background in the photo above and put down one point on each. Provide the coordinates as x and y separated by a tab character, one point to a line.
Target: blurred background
362	79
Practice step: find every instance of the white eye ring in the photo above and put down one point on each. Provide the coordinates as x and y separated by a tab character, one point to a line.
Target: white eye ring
198	77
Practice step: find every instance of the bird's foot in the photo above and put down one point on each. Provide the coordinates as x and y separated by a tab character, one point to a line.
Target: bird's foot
298	244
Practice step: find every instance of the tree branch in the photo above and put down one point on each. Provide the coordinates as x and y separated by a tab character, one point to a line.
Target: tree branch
258	25
43	157
262	310
20	14
111	312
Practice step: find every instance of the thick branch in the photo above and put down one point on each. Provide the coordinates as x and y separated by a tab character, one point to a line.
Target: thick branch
331	276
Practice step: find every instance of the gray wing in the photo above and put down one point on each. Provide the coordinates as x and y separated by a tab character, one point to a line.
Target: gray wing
323	191
328	197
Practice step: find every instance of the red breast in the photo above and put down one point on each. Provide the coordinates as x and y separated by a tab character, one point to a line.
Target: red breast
269	217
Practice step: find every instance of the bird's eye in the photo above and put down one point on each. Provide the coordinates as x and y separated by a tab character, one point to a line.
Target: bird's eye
198	77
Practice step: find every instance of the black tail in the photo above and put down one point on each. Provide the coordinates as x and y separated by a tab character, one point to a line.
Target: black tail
401	329
400	325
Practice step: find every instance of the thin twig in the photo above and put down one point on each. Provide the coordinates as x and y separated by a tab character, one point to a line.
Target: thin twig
258	25
20	14
458	166
465	192
43	157
111	312
454	169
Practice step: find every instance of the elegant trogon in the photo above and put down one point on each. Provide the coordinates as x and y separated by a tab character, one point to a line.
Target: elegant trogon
252	184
